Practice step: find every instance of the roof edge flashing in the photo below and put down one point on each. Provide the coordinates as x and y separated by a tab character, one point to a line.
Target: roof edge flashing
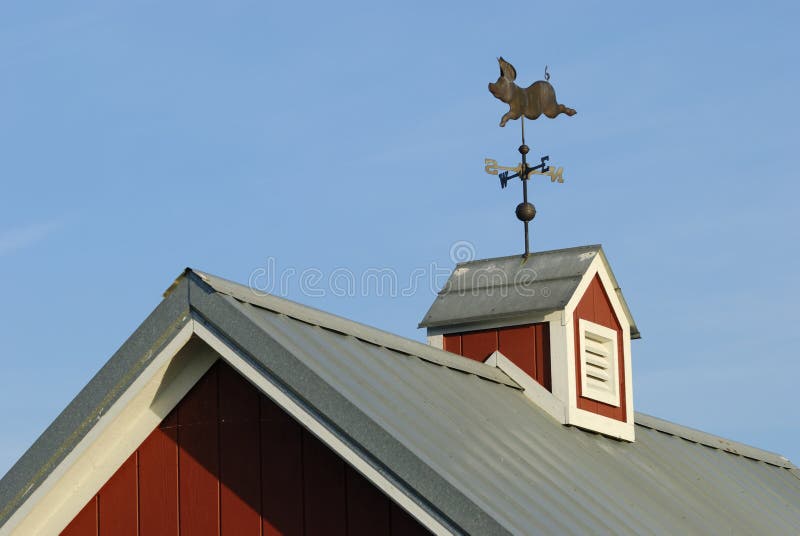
713	441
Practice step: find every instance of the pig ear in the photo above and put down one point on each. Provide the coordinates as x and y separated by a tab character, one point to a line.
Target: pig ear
507	70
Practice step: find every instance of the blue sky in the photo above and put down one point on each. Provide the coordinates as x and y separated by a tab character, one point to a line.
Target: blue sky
142	137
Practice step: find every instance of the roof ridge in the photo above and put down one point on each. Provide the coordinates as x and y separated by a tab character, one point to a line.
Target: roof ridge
713	441
330	321
534	254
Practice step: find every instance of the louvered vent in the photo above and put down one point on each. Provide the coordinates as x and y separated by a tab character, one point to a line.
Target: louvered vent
599	370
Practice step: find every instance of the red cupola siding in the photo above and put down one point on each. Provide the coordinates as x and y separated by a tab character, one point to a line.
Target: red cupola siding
527	346
555	322
228	461
595	306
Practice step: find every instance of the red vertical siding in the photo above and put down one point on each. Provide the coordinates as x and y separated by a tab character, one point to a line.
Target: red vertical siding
368	511
527	346
281	471
452	343
240	455
402	523
541	348
324	492
158	480
198	459
117	506
518	343
595	306
479	345
85	523
229	461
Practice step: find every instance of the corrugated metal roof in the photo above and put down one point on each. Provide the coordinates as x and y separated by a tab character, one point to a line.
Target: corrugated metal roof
509	287
461	438
525	470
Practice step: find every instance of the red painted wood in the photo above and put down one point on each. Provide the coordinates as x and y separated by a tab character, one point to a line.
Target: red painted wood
517	343
324	492
281	471
117	502
85	523
595	306
158	481
200	405
452	343
403	523
527	346
542	352
229	461
479	345
240	455
198	458
368	512
171	420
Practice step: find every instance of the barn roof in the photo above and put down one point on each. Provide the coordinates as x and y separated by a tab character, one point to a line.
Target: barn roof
508	287
458	437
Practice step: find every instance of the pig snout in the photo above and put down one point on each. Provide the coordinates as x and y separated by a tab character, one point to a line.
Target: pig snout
496	91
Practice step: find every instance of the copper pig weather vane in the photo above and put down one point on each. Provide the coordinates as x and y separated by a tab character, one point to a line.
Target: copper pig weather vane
537	99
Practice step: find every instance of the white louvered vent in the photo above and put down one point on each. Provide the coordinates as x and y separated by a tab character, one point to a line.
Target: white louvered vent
599	364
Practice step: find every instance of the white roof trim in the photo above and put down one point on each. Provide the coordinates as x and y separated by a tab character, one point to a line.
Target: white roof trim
532	390
709	440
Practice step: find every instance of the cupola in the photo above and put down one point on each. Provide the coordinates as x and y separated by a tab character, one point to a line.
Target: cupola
555	322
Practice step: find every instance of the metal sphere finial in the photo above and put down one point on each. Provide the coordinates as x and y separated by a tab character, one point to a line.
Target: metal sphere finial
525	211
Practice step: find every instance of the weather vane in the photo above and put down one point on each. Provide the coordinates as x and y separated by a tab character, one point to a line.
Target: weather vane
537	99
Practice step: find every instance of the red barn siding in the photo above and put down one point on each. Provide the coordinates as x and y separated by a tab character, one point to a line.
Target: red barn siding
228	461
117	514
596	307
239	455
527	346
85	523
158	480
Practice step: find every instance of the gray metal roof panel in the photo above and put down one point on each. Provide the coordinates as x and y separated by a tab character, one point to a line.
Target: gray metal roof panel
709	440
361	331
526	471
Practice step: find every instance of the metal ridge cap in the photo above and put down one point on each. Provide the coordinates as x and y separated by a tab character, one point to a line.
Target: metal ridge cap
713	441
360	331
533	254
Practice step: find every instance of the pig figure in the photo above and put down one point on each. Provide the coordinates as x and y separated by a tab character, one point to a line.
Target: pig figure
537	99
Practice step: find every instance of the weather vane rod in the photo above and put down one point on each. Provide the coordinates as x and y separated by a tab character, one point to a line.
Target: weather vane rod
537	99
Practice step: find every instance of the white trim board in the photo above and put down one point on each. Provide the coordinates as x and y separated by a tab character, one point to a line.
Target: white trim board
582	418
532	390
